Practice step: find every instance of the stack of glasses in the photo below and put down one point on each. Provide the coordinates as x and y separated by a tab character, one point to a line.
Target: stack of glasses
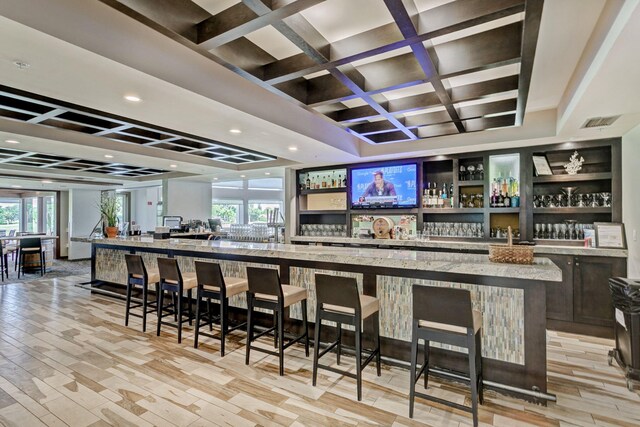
453	229
323	230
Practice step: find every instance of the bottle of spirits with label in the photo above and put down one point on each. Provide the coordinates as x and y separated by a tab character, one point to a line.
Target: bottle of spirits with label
434	195
344	181
507	201
440	200
307	184
451	194
444	195
494	198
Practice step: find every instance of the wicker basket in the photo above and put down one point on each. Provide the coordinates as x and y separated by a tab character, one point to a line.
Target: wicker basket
510	254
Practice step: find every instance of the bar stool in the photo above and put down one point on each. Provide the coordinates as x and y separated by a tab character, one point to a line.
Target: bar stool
31	246
445	315
172	280
4	261
212	285
138	275
338	300
266	291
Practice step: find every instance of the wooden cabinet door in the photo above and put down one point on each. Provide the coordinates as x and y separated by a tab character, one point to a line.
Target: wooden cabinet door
560	295
591	297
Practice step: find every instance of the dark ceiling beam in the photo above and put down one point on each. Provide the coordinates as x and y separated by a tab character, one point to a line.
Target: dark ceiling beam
400	10
487	108
436	22
484	123
178	16
483	89
357	114
433	131
244	54
239	20
375	127
532	17
407	104
298	30
396	136
480	51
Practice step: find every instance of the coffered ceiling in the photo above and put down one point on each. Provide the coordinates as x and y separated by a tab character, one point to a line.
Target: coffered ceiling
384	70
308	82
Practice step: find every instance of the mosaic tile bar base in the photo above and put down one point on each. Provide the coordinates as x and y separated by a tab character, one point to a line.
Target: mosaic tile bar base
502	313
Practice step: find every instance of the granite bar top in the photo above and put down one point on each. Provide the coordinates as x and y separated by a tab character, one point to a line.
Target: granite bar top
461	245
456	263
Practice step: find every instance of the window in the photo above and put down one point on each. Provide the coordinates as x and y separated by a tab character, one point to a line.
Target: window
50	215
258	210
10	215
229	211
30	209
123	208
228	184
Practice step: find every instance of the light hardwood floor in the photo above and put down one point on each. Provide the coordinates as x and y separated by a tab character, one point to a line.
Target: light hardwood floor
67	359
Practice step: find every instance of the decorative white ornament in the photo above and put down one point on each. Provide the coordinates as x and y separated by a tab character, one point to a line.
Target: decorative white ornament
574	164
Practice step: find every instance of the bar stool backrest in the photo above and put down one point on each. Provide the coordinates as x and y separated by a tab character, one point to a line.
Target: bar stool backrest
135	266
31	243
443	305
264	281
3	233
338	290
12	233
169	270
209	274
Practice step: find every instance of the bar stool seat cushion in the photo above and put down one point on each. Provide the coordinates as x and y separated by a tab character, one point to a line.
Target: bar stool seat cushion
292	295
189	280
35	250
369	305
477	324
235	286
153	275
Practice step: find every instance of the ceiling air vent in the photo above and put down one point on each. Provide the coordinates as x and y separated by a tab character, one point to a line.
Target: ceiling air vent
599	122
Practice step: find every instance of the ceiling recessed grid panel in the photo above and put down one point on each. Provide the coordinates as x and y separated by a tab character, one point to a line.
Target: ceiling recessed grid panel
385	70
33	108
13	157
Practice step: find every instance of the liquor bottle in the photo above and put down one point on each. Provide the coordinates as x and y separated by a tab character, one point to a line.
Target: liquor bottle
451	194
440	200
507	200
500	203
339	183
425	198
444	191
344	181
307	184
434	195
494	198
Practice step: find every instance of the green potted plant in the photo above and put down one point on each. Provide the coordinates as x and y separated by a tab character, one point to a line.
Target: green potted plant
109	211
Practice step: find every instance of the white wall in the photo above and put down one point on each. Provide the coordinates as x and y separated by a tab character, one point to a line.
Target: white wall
189	199
144	205
63	240
631	197
83	216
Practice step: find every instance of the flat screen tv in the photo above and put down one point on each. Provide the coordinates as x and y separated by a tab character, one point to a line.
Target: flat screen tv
392	186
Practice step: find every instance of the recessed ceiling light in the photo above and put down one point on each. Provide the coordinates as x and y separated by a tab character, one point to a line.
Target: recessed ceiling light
108	156
132	98
215	179
12	141
267	173
243	176
293	148
16	186
235	131
46	181
173	166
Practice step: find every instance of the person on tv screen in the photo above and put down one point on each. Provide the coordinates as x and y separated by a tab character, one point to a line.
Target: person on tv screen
379	187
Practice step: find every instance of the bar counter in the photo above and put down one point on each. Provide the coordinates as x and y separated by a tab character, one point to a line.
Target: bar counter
511	297
455	245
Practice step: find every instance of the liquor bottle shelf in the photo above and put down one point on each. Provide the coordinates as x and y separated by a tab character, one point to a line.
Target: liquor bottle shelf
324	190
452	210
571	210
474	183
504	210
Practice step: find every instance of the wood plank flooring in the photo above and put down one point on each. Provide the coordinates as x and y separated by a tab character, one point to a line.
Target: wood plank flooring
66	358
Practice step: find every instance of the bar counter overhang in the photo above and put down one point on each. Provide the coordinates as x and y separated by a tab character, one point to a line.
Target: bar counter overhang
511	297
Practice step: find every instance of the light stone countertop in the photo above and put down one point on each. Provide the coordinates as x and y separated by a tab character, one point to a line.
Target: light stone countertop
455	263
462	245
